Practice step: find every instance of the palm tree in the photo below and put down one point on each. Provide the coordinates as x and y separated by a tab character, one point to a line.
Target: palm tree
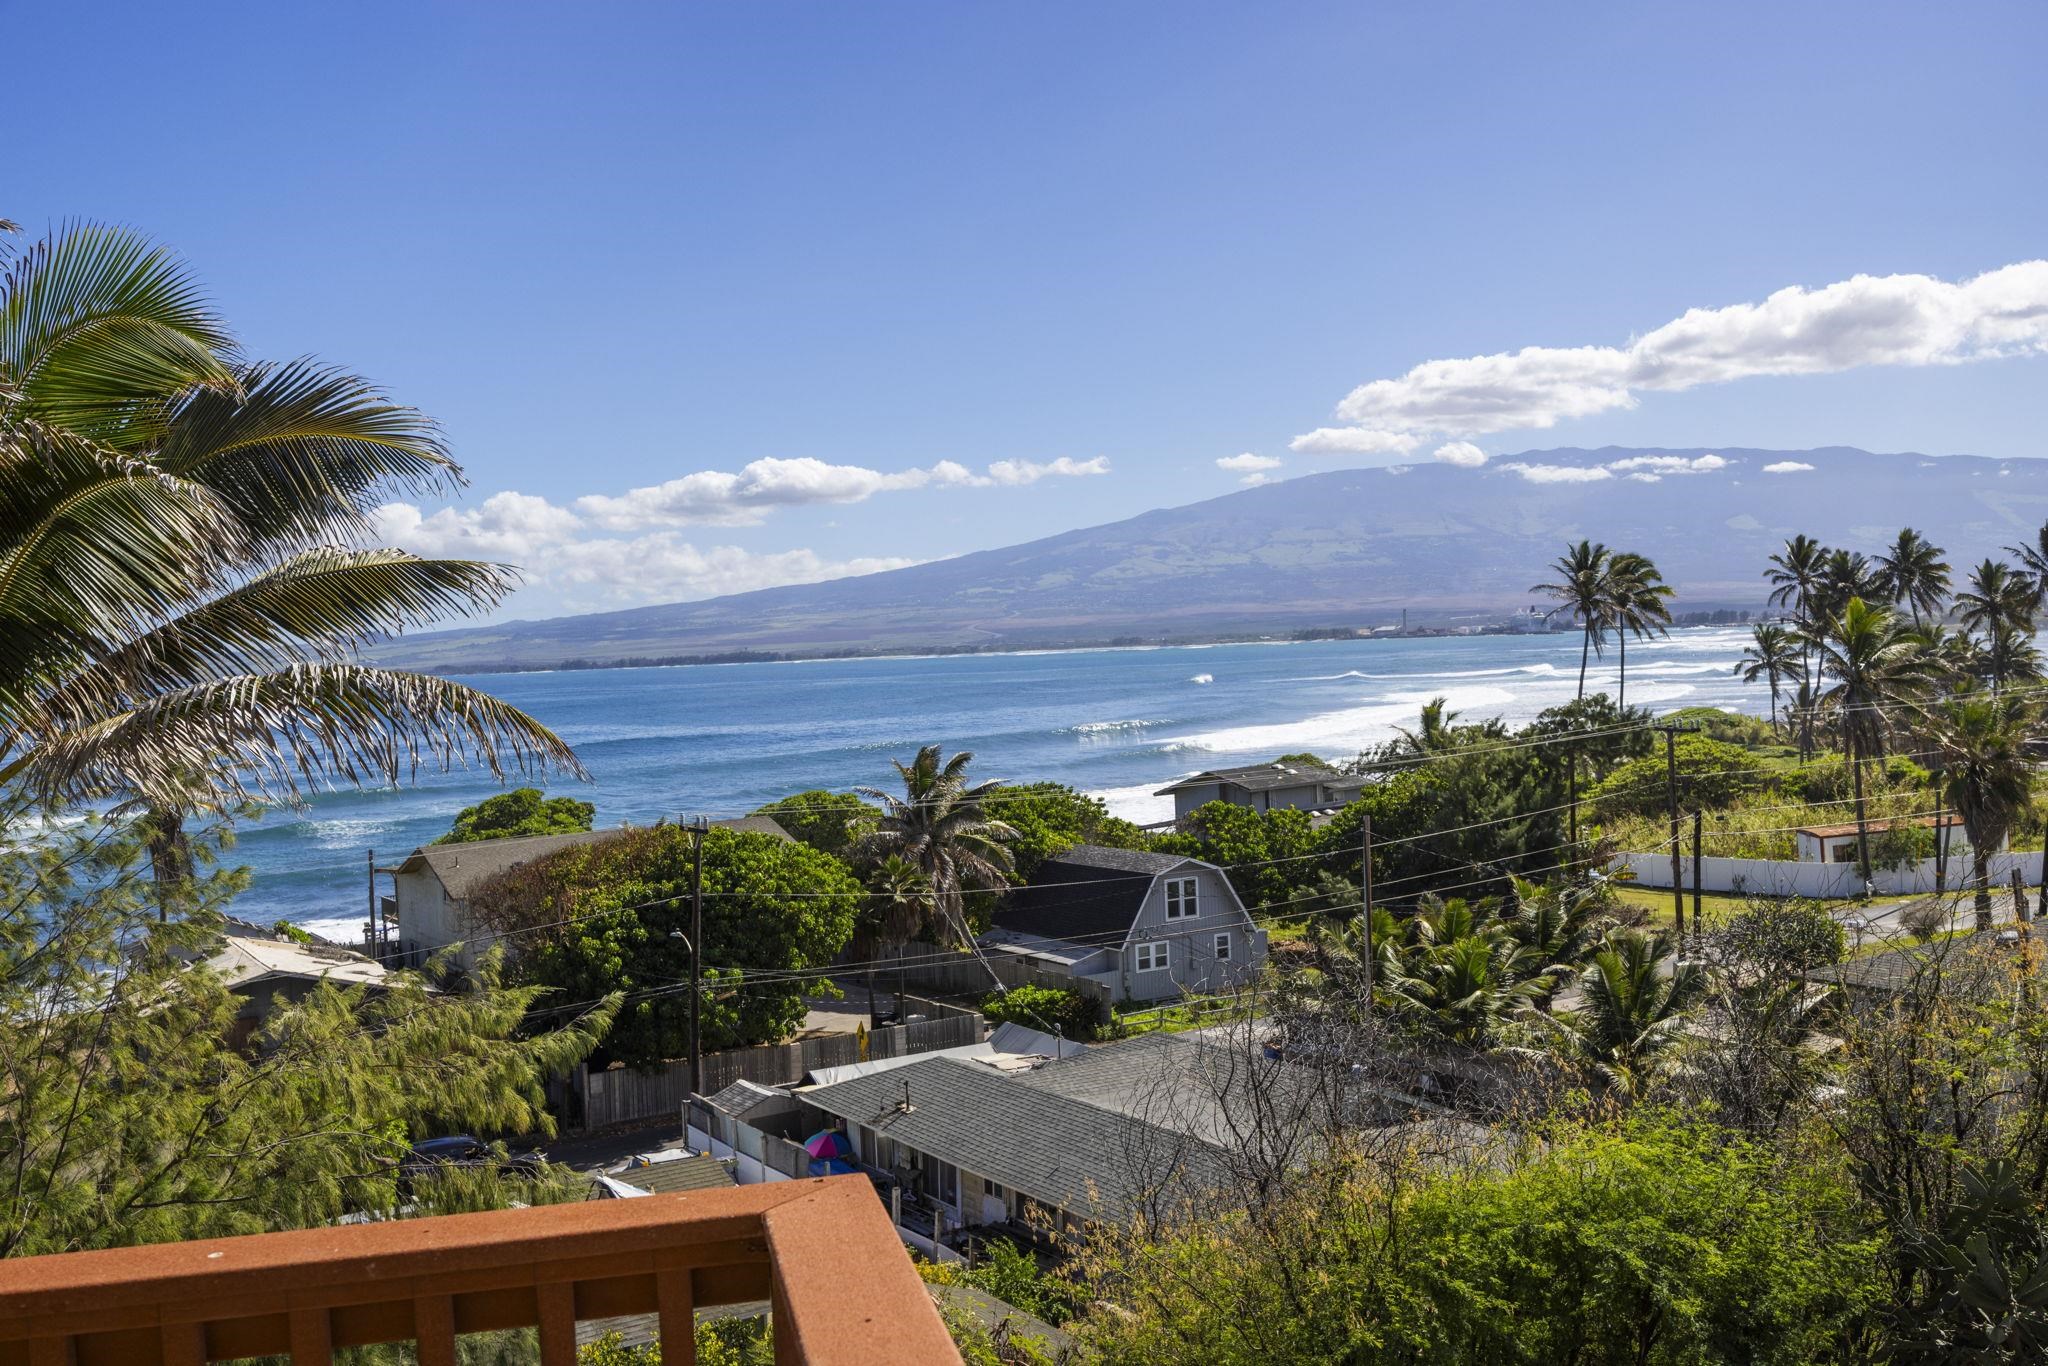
1985	772
2000	603
1635	1007
898	907
1796	578
2033	560
181	599
1847	574
1636	606
1913	572
1581	591
1875	663
1771	654
941	826
1466	986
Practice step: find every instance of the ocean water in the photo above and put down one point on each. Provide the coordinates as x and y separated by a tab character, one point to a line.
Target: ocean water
721	740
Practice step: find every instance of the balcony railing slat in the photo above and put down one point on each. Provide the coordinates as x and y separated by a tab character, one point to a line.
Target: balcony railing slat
312	1338
61	1351
433	1326
675	1302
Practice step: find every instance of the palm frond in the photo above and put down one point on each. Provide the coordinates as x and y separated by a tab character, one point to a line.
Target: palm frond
305	451
271	735
98	329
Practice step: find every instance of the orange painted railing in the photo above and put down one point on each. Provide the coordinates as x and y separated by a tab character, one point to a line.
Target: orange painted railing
821	1252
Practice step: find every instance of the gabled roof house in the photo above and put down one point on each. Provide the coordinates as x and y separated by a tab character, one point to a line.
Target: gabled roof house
1265	787
1151	927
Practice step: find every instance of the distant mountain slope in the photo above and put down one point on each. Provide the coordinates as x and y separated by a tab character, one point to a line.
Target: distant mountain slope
1350	547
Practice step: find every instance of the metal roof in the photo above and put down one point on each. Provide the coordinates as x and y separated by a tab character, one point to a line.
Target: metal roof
463	867
1265	778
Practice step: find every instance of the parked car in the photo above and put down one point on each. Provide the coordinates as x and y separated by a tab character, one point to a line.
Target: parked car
460	1151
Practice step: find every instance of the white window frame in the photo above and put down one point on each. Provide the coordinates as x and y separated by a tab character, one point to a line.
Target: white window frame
1221	946
1152	956
1183	898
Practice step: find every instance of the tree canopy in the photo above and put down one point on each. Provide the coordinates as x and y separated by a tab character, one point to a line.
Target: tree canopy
522	811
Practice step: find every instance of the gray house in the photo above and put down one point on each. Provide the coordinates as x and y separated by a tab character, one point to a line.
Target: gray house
1151	927
432	887
1265	787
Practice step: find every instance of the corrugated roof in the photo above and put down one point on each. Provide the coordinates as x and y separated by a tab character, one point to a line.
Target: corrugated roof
695	1173
1876	827
243	961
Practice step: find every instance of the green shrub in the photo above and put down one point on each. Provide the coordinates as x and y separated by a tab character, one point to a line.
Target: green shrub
1045	1008
1711	774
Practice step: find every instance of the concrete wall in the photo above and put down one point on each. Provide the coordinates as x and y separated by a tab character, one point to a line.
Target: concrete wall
1790	877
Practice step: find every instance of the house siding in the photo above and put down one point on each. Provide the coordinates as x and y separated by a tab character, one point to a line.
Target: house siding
428	920
1190	942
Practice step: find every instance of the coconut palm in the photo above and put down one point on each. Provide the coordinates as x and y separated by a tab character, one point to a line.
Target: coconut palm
2033	558
1581	592
941	826
1796	577
182	587
1636	1003
1986	776
898	907
1912	571
1869	663
1999	603
1773	654
1636	606
1465	987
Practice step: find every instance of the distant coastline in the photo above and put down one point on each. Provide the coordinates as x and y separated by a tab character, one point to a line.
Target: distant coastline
1704	620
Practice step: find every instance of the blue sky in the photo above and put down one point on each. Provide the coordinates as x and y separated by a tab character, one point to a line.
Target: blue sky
613	246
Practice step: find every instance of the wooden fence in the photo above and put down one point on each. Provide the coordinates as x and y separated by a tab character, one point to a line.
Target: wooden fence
966	974
621	1095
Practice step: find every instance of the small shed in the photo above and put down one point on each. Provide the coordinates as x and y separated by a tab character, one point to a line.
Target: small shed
1837	843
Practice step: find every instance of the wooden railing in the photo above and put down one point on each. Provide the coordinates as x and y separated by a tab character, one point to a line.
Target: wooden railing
821	1252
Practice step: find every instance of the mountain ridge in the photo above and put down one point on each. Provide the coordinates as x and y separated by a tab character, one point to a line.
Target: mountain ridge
1349	547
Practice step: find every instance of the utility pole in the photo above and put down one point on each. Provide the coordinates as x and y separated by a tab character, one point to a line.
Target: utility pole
703	827
1699	821
1671	733
1365	895
1941	842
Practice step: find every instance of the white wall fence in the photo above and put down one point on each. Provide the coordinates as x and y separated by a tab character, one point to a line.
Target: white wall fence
1793	877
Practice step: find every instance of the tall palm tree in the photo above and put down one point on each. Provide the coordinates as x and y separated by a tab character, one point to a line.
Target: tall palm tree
1637	598
1874	663
942	827
1912	571
1772	653
899	906
2033	558
1581	592
2000	603
1986	774
182	588
1847	574
1796	577
1636	1003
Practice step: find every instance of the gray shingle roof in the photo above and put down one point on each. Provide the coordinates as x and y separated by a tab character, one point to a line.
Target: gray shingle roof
1064	1152
1265	778
695	1173
1086	894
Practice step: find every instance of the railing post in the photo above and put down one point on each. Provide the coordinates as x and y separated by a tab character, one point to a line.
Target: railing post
312	1338
433	1329
673	1300
53	1352
184	1344
557	1304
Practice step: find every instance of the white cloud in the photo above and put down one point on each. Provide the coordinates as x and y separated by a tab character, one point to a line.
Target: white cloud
1559	474
1252	466
746	497
1460	453
1787	467
1669	464
1015	472
1866	320
1353	441
1647	478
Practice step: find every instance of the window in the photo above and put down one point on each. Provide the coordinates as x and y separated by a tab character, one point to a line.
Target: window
991	1189
1152	957
1180	898
1223	948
